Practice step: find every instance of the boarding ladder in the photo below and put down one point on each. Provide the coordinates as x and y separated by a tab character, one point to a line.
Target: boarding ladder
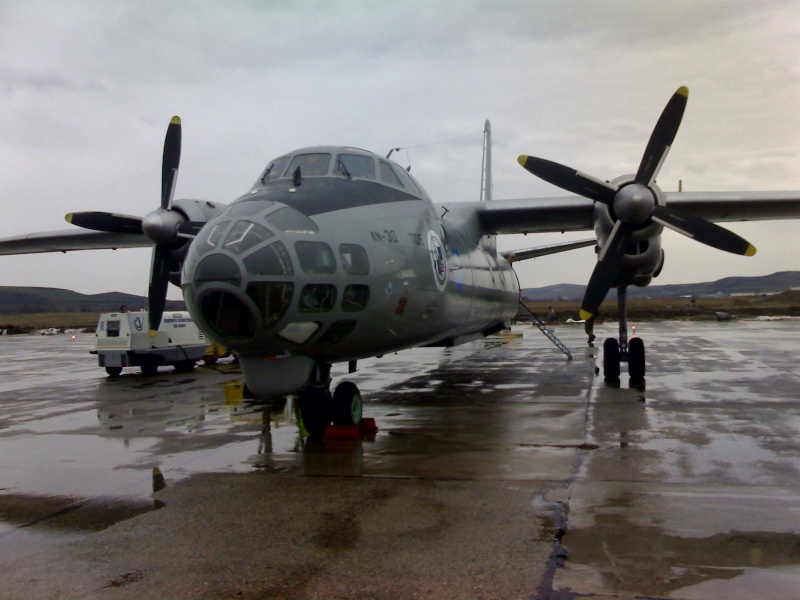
547	332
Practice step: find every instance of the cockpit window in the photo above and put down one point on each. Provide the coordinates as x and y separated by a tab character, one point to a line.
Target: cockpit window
356	165
244	235
388	175
275	169
290	220
311	165
408	183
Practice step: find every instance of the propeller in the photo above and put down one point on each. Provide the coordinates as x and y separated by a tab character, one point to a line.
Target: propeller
163	226
634	204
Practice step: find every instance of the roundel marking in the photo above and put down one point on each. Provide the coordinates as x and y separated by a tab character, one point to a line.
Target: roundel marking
438	259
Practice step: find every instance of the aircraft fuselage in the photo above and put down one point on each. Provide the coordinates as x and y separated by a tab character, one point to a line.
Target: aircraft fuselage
339	266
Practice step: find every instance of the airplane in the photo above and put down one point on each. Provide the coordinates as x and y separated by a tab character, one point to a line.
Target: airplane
336	254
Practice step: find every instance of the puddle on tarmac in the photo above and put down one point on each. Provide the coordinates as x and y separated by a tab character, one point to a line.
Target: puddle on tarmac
615	555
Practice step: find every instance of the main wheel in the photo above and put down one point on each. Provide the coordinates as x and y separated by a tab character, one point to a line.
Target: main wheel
346	404
636	366
113	371
611	359
314	410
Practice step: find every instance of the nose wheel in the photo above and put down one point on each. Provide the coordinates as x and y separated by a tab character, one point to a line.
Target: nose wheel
319	408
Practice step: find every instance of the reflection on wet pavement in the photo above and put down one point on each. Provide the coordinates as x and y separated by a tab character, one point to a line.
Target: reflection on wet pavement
686	488
693	490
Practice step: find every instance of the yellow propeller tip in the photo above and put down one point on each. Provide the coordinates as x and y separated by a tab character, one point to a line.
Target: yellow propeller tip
585	315
683	91
521	159
751	250
176	120
153	333
68	217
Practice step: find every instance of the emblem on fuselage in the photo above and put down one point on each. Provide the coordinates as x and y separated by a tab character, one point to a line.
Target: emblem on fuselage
438	261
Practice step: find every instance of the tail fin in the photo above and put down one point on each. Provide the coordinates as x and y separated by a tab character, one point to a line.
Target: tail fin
488	242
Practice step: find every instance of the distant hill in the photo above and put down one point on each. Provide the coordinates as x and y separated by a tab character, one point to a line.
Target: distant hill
767	284
15	300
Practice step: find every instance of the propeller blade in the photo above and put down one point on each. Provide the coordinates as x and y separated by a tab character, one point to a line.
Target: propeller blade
190	229
569	179
103	221
609	264
662	137
157	291
170	162
703	231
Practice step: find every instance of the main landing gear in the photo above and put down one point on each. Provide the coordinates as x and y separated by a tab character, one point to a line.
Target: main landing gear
318	407
616	352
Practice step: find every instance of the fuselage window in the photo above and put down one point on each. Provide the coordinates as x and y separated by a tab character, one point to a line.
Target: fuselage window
290	220
218	268
311	165
355	298
272	299
355	165
113	329
317	297
316	258
388	175
227	315
275	169
354	259
270	260
245	235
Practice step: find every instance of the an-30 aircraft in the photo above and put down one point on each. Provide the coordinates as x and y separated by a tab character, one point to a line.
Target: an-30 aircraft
337	254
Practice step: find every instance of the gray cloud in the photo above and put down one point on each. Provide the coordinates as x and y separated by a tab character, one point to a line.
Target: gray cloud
87	88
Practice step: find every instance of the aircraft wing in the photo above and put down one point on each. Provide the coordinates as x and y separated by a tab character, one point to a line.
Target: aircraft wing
517	255
575	213
67	240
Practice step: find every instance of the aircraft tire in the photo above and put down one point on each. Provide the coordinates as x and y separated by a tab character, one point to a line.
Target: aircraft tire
314	409
347	404
611	359
114	371
636	364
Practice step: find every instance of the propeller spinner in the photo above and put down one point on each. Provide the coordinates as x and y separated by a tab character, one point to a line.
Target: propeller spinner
634	204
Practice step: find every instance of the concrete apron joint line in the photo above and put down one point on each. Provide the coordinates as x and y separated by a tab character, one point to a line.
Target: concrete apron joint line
558	499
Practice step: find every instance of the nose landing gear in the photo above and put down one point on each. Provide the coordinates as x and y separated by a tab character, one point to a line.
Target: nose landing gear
319	408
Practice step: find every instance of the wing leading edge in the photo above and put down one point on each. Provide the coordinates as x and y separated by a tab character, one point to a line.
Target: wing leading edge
68	240
573	213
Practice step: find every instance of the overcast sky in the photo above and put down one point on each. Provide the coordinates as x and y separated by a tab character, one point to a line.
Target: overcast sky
87	90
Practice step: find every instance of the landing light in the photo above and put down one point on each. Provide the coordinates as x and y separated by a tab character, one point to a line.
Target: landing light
633	327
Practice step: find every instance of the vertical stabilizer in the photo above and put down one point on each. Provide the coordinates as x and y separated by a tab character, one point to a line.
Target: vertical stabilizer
488	242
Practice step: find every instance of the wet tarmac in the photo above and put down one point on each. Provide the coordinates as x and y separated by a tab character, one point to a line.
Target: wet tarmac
500	470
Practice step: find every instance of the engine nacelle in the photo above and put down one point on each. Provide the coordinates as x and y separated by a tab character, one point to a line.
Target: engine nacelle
643	256
191	210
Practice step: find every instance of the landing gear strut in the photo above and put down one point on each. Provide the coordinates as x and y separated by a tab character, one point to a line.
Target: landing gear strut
616	352
318	408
